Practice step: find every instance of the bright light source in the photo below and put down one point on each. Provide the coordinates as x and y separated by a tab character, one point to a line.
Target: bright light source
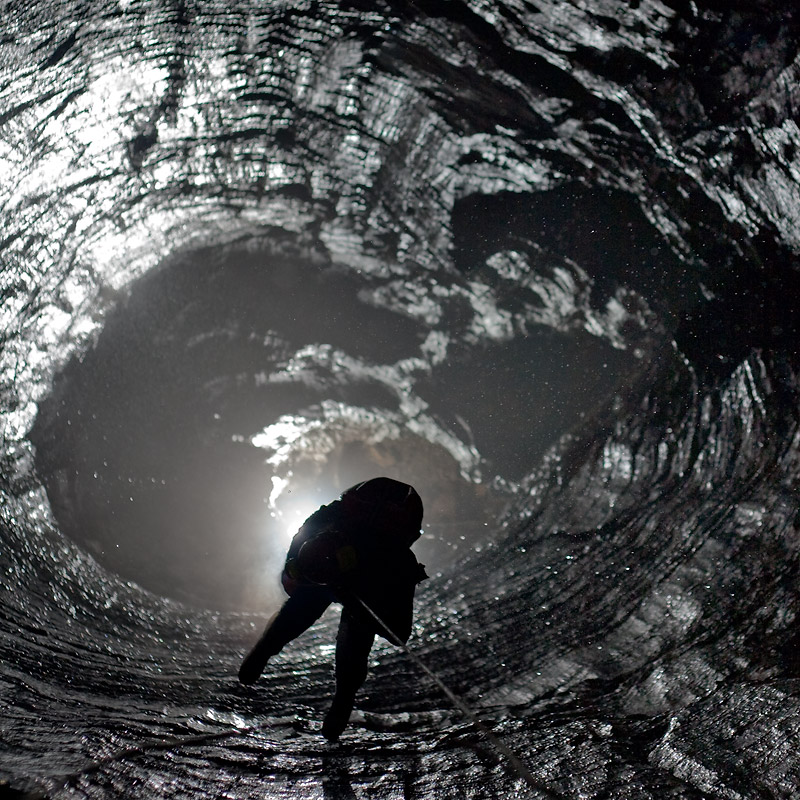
289	509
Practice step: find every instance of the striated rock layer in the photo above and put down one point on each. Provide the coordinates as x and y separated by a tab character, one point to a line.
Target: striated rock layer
540	260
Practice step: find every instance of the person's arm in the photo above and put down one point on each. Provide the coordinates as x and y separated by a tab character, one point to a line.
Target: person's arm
323	519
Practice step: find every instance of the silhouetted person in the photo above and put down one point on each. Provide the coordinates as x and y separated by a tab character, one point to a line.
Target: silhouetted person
354	549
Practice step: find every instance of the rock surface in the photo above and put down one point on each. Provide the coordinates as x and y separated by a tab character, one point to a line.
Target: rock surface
534	257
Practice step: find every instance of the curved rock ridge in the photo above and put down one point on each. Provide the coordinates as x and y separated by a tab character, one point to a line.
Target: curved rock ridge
539	260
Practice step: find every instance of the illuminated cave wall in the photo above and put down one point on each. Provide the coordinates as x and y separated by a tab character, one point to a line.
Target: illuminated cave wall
543	257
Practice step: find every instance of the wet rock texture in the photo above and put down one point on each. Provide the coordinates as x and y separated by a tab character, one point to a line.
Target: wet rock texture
502	180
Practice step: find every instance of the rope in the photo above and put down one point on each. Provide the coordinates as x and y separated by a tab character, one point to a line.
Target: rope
499	745
512	759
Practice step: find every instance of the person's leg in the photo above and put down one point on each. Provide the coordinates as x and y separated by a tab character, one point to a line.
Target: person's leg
353	643
298	614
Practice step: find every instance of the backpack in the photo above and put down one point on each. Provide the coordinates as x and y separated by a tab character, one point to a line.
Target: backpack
366	528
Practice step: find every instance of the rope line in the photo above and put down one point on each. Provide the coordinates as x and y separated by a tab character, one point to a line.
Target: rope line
511	757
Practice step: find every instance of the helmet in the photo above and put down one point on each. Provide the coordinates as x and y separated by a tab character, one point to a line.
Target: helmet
387	502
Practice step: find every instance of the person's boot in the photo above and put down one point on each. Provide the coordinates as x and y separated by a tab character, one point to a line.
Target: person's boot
253	665
336	719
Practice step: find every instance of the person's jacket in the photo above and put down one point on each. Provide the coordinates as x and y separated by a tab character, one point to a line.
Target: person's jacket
359	547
